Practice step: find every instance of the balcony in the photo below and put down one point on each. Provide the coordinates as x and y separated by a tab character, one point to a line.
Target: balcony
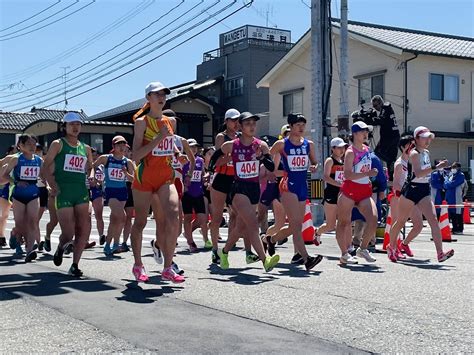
245	44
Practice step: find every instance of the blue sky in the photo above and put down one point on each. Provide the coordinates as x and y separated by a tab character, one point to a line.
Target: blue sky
56	45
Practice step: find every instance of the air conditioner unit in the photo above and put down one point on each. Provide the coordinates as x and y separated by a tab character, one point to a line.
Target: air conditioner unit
469	126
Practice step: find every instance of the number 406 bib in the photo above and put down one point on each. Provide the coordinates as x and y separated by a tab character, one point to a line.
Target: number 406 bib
298	162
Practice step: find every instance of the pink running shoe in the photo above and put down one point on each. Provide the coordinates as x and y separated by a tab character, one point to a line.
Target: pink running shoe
405	248
169	275
392	256
140	274
399	254
443	256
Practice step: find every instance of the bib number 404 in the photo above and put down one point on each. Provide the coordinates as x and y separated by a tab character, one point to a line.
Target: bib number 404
246	170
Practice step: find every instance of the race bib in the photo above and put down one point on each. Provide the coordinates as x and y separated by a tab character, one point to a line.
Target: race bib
197	176
247	169
29	172
298	162
75	163
165	148
116	174
365	168
99	176
176	164
339	176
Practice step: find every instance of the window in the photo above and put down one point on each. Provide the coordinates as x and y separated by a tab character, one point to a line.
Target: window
371	86
234	87
292	102
444	87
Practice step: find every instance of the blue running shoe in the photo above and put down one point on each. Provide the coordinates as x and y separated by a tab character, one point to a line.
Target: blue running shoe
12	242
18	250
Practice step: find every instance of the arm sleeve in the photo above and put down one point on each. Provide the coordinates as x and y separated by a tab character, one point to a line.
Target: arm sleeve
267	162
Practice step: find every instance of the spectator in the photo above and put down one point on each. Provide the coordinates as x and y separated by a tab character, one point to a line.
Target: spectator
453	185
437	187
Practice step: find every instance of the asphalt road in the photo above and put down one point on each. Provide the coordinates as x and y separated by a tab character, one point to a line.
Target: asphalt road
414	306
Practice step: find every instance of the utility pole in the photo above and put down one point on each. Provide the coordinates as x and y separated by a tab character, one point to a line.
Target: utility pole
65	86
319	10
343	118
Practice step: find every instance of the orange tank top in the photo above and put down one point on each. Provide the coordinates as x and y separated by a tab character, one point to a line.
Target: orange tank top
226	169
161	156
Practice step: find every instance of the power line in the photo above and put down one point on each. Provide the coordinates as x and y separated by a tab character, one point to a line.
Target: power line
51	23
29	18
101	55
37	68
160	55
140	49
145	46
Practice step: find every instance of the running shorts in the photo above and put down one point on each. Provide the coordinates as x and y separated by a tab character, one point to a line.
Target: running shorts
191	204
249	189
147	180
25	194
178	183
355	191
129	202
71	195
43	196
119	193
331	196
416	192
271	193
5	192
96	192
223	183
300	190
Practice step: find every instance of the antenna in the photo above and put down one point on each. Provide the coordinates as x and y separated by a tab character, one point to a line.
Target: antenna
65	85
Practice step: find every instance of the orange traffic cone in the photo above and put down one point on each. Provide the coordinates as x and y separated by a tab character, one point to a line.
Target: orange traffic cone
388	225
467	213
444	224
307	226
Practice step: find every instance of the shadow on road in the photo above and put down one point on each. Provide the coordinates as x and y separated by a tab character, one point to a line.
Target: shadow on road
295	270
237	276
134	293
43	284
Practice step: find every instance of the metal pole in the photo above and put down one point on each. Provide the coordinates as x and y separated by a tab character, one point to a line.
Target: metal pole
343	118
317	32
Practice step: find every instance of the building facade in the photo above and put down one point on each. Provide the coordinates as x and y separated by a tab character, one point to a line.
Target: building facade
427	77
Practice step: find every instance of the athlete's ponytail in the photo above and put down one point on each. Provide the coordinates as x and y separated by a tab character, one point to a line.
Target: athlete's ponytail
145	107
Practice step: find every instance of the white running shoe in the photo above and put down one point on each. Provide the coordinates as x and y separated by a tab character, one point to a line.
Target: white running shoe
351	249
364	253
156	253
348	259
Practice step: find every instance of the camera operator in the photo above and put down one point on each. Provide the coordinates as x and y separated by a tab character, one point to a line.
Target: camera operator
387	147
382	115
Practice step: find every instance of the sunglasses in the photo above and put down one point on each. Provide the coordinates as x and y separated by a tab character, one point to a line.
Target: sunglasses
157	93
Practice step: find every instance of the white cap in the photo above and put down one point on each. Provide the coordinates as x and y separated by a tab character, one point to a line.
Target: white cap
192	142
361	126
338	142
156	86
423	132
232	113
72	117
